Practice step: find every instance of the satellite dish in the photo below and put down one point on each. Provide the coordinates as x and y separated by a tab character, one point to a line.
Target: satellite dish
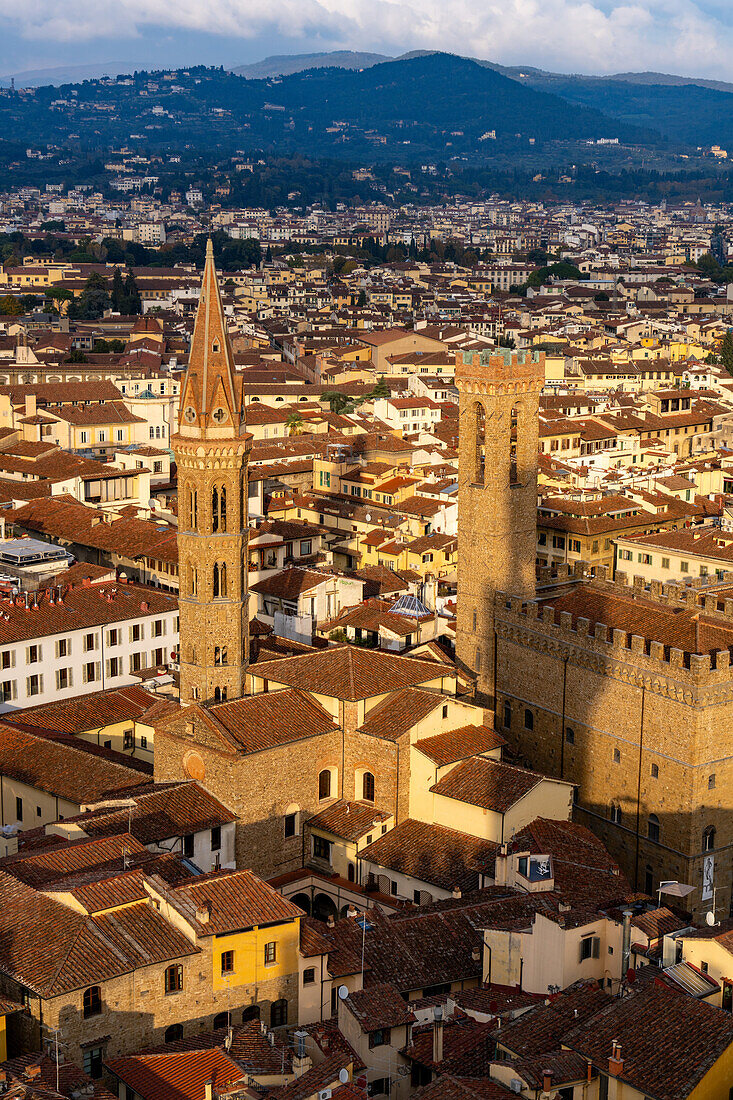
343	1076
343	992
368	517
710	918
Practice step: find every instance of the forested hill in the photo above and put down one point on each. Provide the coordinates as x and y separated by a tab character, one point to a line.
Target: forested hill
437	106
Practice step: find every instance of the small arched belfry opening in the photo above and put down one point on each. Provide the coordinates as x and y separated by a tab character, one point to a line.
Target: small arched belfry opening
514	419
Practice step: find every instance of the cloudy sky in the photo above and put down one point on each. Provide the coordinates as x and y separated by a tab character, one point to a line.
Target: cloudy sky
690	37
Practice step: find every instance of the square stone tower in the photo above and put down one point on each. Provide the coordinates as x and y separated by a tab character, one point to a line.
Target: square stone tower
497	491
211	449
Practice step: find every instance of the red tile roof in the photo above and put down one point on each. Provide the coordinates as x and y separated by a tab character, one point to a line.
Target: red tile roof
349	672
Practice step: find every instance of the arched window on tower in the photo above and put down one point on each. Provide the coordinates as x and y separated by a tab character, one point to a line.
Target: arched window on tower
194	585
219	508
480	471
220	579
193	509
708	838
513	429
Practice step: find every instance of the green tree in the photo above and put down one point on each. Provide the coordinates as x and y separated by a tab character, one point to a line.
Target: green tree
380	390
118	292
294	423
93	300
10	306
76	355
726	351
337	402
133	301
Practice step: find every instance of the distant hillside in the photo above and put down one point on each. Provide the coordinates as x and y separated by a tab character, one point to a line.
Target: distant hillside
439	97
693	113
287	64
432	107
37	78
671	79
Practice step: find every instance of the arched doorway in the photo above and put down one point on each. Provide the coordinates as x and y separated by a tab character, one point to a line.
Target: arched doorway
303	902
251	1013
323	907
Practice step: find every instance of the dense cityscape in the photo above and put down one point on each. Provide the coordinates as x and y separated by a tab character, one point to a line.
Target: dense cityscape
366	603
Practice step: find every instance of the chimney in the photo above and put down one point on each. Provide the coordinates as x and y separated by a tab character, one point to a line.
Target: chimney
438	1036
500	866
30	404
330	921
203	912
615	1062
456	892
208	1090
547	1080
351	911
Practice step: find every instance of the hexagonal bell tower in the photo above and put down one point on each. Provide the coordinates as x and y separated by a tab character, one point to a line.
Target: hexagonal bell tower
211	448
497	495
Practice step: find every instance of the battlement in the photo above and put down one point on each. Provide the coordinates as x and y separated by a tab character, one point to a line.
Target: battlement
501	365
576	632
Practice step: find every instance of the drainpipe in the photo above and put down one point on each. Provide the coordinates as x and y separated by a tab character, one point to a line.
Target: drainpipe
626	949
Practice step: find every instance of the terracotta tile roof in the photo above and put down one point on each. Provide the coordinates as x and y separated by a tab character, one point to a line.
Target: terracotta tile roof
585	874
658	923
289	584
458	744
89	712
96	605
51	949
122	889
312	942
45	867
398	714
66	766
182	1075
53	393
63	518
468	1047
684	628
111	412
349	820
487	783
349	672
39	1071
166	810
433	854
495	1000
669	1040
379	1006
543	1029
563	1065
235	900
321	1076
257	722
449	1086
249	1047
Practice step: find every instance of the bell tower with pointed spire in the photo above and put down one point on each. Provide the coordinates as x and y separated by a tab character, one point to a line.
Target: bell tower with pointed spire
211	448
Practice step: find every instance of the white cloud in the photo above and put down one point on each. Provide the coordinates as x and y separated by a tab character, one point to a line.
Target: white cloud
681	36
